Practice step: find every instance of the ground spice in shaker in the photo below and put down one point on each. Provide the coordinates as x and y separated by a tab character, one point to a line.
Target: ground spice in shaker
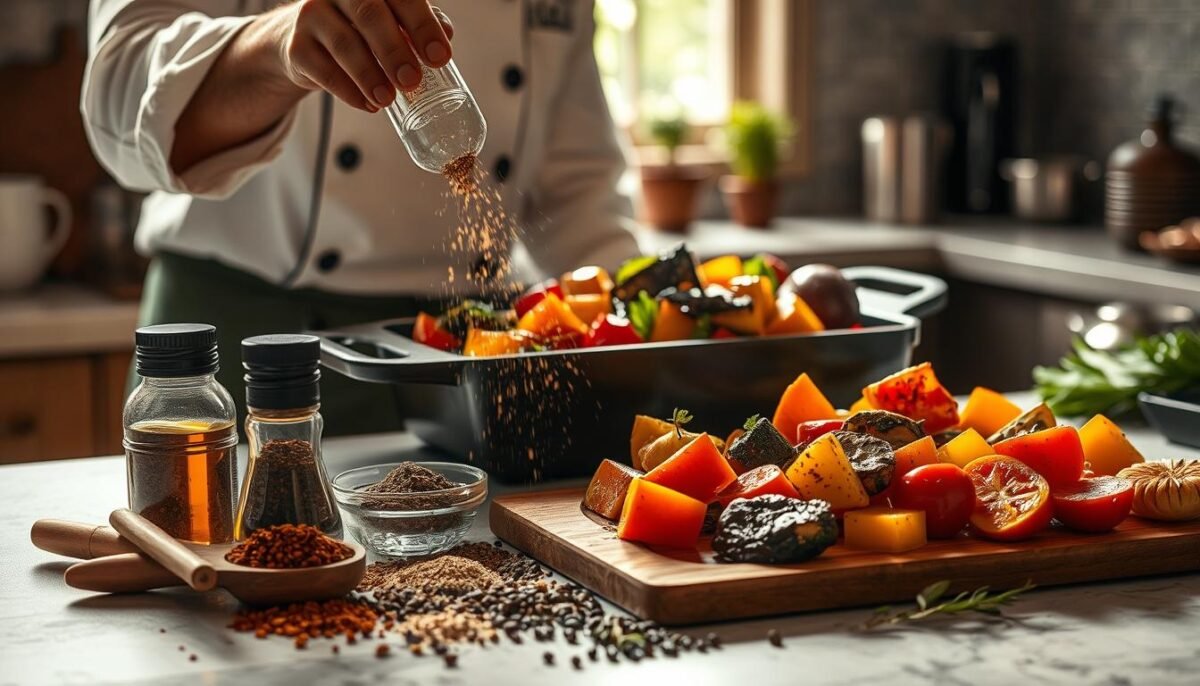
280	488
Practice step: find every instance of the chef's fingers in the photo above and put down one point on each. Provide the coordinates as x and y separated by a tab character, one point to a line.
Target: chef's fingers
314	63
375	21
350	51
447	25
424	30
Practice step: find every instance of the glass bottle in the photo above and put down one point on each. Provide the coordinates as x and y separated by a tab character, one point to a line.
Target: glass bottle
181	435
286	481
439	120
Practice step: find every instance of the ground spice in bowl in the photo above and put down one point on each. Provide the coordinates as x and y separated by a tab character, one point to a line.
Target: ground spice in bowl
410	478
288	546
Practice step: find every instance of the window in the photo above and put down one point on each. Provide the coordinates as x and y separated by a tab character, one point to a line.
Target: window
693	58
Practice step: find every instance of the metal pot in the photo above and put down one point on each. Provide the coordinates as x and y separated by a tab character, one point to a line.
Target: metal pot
1049	189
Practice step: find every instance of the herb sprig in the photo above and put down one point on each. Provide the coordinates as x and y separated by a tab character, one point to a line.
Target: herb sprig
980	600
680	418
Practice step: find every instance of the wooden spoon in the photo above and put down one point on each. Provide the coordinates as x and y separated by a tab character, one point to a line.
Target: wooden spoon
124	572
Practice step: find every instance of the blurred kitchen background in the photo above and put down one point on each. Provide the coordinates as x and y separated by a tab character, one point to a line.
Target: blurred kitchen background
978	140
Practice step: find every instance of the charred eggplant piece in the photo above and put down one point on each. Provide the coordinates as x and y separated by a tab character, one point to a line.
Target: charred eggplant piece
714	300
872	458
761	444
896	429
1036	419
673	269
774	529
711	516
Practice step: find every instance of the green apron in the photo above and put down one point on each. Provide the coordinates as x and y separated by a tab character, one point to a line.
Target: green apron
187	289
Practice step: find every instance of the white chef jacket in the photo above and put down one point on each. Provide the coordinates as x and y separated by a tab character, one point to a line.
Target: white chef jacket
329	198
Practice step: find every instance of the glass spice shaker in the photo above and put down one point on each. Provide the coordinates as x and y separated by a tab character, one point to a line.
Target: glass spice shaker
181	434
438	121
286	482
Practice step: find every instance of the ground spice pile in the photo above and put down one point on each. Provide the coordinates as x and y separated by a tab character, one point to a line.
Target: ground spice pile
410	478
445	574
288	546
303	621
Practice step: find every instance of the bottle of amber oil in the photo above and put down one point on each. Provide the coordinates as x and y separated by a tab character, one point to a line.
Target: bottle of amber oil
181	434
286	481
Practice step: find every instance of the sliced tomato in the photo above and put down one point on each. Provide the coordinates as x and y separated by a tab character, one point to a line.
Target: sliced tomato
807	431
940	490
1012	501
917	394
1093	505
1055	453
426	331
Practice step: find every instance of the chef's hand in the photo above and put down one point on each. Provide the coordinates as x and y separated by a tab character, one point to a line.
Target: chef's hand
362	51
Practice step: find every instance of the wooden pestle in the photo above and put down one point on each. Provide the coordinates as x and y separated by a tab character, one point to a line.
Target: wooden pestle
78	540
163	549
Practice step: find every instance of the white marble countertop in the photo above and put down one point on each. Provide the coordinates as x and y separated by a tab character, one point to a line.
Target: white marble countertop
64	319
1127	632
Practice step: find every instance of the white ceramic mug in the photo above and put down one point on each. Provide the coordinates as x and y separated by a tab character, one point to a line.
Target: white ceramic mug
25	247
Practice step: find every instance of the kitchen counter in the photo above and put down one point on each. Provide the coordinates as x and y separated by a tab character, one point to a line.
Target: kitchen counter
1140	631
1066	261
64	319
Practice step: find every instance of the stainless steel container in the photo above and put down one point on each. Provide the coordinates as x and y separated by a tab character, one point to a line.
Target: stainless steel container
881	168
1048	189
902	164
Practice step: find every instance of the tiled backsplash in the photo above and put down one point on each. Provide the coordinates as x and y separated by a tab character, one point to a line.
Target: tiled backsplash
1087	70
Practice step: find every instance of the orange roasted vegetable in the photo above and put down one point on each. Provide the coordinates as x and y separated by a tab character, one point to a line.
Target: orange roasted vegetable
551	319
657	515
698	470
884	530
919	453
793	315
586	281
1106	448
964	448
987	411
764	480
824	472
590	306
801	402
917	394
672	324
720	270
606	493
753	321
484	343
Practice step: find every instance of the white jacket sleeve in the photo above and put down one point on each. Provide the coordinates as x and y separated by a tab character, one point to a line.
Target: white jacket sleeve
584	220
146	60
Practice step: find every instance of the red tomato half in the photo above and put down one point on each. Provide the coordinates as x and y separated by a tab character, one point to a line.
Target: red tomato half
943	491
1055	453
535	295
427	332
807	431
1012	501
610	329
1093	505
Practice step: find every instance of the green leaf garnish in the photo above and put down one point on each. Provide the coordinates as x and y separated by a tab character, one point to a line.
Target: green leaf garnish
980	600
633	266
680	418
643	312
757	266
751	422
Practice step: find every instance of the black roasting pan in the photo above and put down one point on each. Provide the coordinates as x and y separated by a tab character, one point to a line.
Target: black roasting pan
556	414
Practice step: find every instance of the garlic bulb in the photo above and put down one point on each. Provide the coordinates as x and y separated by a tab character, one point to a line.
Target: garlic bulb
1168	491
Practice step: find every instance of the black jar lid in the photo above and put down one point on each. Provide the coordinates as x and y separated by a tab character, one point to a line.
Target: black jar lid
282	371
176	350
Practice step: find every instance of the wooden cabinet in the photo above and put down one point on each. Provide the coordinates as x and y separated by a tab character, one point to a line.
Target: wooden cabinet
61	407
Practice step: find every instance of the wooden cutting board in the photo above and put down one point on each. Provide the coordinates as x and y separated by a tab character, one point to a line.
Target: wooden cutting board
688	587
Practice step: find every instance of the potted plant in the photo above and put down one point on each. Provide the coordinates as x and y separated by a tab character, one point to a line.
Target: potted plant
669	190
755	138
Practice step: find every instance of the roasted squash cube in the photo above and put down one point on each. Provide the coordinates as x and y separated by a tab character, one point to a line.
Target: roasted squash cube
752	321
801	402
589	306
551	318
964	448
698	470
919	453
987	411
1106	448
758	481
671	324
883	530
824	472
657	515
720	270
793	315
606	493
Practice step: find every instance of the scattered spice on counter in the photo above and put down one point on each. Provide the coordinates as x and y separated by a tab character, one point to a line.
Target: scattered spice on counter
447	574
285	485
302	621
774	638
288	546
382	650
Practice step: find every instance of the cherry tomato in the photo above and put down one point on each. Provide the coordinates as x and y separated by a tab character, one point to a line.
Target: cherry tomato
1012	501
1055	453
943	491
535	295
807	431
610	329
917	394
721	332
1093	505
427	332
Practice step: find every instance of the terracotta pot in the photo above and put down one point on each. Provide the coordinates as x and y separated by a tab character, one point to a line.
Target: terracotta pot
750	203
669	196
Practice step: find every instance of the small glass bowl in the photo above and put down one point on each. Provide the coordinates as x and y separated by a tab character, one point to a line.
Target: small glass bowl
410	524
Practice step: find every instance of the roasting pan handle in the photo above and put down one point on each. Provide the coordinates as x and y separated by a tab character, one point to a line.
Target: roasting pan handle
898	291
399	359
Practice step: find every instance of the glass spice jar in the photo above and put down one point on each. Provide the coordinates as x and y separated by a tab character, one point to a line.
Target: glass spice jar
286	481
181	434
439	121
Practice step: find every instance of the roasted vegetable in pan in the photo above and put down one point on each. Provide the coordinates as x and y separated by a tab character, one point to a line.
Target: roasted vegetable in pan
673	269
831	296
712	300
774	529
